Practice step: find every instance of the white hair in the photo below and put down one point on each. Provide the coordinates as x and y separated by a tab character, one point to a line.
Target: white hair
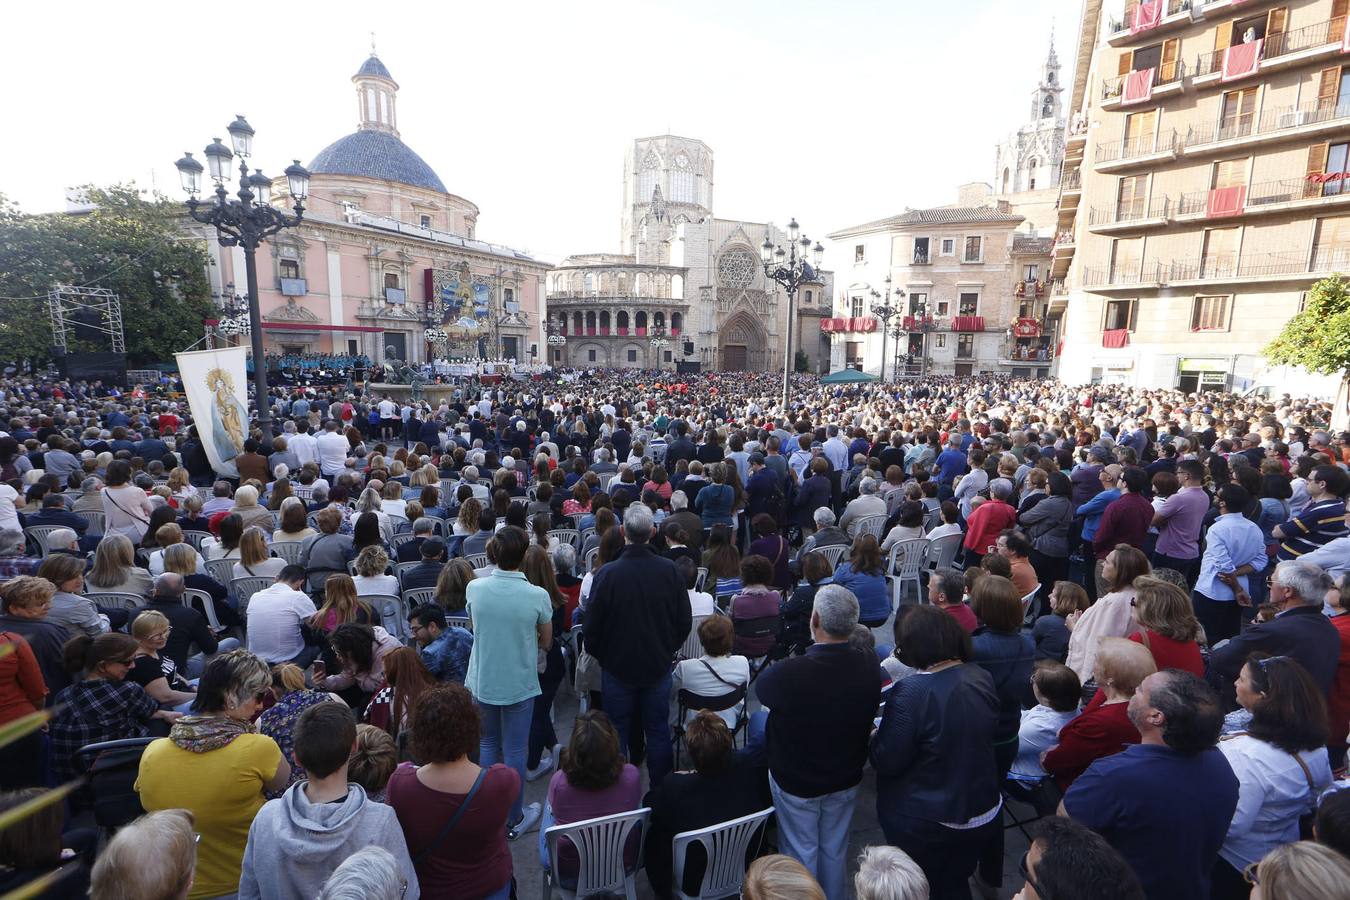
823	517
1304	579
679	500
368	874
867	485
62	538
837	609
889	873
637	523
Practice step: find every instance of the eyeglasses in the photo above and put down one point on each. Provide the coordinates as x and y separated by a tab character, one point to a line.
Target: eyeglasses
1248	874
1026	873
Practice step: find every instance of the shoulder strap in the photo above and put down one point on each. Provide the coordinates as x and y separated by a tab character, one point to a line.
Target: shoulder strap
713	673
454	820
1307	773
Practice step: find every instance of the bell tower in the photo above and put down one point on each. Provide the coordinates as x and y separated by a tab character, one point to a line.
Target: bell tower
376	92
1046	101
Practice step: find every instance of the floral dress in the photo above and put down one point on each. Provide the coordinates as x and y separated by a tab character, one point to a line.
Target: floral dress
278	722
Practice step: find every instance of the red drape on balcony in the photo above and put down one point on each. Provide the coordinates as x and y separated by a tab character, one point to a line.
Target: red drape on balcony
1146	16
862	323
1241	60
1116	337
642	332
1026	327
674	332
1138	87
623	330
968	323
1227	201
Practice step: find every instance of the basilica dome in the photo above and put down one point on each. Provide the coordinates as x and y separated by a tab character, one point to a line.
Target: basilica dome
374	150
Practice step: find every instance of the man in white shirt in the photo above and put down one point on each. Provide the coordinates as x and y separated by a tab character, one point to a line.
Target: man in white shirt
303	444
333	448
274	617
9	503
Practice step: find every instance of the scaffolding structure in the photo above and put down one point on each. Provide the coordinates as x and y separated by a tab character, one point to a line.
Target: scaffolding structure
65	301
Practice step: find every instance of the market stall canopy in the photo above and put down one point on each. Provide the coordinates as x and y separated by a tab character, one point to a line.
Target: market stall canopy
847	376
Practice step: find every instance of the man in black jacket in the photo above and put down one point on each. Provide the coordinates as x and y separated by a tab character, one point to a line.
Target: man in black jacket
427	572
637	618
1299	631
411	551
189	626
821	706
680	448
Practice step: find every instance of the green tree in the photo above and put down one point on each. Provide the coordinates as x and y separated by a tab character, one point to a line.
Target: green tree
802	362
1318	338
128	243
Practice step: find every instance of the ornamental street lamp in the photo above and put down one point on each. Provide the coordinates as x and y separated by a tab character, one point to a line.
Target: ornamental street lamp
658	343
925	325
245	222
886	311
790	269
555	338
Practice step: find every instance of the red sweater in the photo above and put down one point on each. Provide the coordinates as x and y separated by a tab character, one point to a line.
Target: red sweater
985	523
1125	521
1338	703
22	689
1101	730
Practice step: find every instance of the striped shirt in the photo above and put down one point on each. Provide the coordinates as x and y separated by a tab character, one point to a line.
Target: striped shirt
1319	523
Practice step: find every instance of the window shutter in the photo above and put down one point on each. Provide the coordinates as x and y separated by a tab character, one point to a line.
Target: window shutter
1328	87
1197	311
1317	160
1223	36
1123	64
1134	314
1168	68
1338	11
1275	21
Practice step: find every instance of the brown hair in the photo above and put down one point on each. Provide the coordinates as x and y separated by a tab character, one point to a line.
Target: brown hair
329	519
374	759
444	724
35	842
1162	607
710	742
591	760
865	556
815	567
1130	564
717	635
1069	596
340	599
26	591
409	677
996	603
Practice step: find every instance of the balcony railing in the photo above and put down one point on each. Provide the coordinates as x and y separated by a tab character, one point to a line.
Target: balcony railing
1159	208
1123	24
1123	275
1278	45
1058	288
1026	352
921	258
395	295
1271	121
1072	181
1171	73
1143	145
1265	193
1330	259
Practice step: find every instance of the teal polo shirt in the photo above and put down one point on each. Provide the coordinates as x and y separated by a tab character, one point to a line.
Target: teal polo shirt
505	610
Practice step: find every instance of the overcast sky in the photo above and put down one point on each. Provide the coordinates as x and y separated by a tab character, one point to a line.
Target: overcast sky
833	112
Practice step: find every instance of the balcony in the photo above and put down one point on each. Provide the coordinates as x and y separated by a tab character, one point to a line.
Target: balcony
1270	198
1130	216
293	287
1307	120
967	323
1229	268
1013	353
921	258
1071	183
1128	276
1166	80
1320	36
1173	13
1116	155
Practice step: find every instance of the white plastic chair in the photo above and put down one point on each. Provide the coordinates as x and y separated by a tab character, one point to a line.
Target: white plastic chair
1029	599
725	845
567	535
222	570
903	567
244	589
196	538
873	525
97	521
39	535
943	551
208	604
600	845
478	560
461	621
393	613
415	597
287	550
833	553
588	564
702	578
693	648
115	599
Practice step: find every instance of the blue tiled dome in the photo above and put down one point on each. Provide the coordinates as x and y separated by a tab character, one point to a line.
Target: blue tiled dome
373	66
376	154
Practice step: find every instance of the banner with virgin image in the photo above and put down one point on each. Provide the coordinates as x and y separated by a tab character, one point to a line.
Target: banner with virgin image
217	392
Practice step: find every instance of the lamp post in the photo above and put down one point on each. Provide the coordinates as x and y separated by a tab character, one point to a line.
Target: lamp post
245	222
790	269
555	338
658	343
886	311
925	325
899	333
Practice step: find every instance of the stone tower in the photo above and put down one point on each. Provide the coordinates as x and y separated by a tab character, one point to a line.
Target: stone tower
1030	159
667	182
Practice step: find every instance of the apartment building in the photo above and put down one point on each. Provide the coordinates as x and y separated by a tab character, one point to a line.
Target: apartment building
974	284
1204	187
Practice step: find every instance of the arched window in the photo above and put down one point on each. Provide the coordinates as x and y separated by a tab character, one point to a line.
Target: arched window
576	322
677	287
590	322
658	319
676	322
1032	164
621	321
604	321
588	282
640	319
807	297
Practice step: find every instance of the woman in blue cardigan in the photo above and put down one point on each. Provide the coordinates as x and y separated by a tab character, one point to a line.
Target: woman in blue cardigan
864	574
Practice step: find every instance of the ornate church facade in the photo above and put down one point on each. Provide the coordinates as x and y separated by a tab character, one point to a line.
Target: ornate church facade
686	288
386	257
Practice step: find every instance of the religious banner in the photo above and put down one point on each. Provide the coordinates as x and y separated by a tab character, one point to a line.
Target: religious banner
217	392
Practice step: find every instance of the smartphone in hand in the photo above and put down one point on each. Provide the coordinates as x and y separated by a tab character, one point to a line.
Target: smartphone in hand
320	670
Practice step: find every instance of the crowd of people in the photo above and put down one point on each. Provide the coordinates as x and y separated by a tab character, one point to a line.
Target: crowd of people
1118	612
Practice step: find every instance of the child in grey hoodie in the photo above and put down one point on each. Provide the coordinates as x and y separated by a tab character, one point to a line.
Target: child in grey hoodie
297	840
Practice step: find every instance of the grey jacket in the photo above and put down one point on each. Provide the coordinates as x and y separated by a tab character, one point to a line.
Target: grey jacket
294	845
1047	525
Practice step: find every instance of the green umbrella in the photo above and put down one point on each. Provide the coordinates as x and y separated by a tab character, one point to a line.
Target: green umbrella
847	376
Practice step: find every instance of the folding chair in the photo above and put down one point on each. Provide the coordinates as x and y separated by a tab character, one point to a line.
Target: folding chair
725	846
399	540
600	846
393	612
95	519
478	560
415	597
702	578
693	648
111	769
567	535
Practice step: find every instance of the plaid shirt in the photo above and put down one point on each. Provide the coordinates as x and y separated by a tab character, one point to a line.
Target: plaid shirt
14	566
93	711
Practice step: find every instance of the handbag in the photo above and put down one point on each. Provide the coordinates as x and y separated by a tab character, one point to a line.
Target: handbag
454	820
